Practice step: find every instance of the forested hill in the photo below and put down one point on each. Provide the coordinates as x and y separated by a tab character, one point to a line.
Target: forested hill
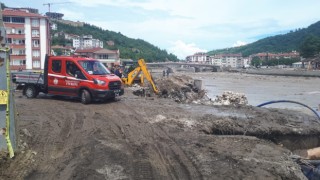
129	48
275	44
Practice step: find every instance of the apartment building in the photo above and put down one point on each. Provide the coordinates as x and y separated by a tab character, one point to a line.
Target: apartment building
233	60
216	60
199	57
87	42
28	38
269	56
227	60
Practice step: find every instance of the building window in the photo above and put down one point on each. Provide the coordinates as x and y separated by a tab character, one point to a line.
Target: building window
36	64
35	43
22	52
36	53
18	52
18	41
18	62
6	19
35	33
17	20
20	31
103	56
35	22
8	30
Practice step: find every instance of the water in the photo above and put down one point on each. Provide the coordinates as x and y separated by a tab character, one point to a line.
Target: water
260	88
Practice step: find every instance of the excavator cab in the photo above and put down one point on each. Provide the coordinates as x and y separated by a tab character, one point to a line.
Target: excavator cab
141	70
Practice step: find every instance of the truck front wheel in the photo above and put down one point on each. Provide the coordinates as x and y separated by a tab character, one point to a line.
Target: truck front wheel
85	97
31	91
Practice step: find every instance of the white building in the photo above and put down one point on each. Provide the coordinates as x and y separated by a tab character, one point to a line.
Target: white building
216	60
297	65
233	60
227	60
200	57
87	42
246	62
28	38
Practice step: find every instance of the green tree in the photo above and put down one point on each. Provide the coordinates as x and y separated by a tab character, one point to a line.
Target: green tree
274	44
256	61
310	46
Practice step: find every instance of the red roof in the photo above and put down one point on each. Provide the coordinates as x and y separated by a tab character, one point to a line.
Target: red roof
21	13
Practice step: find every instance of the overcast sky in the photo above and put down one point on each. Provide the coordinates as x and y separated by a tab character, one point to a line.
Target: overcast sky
184	27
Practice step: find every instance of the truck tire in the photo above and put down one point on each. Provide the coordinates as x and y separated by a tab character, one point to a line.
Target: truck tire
85	97
31	91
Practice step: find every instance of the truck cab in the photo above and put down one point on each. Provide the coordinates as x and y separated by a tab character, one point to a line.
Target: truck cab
73	76
82	77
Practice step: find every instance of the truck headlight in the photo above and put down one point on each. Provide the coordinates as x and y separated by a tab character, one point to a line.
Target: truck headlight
99	82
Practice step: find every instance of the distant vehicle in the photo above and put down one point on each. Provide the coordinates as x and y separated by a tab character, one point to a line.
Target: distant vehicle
72	76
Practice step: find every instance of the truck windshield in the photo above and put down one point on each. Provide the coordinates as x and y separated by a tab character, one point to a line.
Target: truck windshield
94	67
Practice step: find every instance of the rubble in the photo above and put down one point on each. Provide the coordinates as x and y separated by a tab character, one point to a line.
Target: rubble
231	98
180	88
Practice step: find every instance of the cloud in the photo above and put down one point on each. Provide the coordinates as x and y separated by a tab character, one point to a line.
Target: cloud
182	49
219	24
75	15
239	43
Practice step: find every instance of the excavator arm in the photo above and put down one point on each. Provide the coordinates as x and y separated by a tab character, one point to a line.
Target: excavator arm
147	75
134	73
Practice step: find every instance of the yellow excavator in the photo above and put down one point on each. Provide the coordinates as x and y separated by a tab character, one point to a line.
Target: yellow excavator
142	67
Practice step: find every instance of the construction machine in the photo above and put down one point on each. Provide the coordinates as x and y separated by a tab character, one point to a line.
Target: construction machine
141	68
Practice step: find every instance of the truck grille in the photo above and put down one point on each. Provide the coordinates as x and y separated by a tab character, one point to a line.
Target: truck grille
115	85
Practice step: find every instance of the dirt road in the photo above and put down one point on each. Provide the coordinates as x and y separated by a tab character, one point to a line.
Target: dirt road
155	138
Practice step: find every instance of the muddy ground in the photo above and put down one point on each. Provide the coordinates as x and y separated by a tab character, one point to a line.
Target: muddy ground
156	138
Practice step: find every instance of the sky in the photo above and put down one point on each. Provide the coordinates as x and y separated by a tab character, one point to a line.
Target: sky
184	27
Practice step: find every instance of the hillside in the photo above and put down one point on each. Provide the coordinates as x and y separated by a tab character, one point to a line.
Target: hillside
279	43
129	48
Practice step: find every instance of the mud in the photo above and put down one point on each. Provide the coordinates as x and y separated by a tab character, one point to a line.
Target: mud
156	138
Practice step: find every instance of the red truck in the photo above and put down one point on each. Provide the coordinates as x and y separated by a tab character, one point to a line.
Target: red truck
71	76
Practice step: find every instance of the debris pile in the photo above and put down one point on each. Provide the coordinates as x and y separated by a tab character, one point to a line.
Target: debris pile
231	98
140	91
180	88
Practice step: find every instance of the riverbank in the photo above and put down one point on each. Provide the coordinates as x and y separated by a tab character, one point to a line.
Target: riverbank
283	72
263	88
140	137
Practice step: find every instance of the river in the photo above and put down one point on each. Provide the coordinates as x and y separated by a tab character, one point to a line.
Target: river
263	88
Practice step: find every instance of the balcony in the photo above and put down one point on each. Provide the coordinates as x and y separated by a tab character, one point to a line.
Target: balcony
16	36
36	47
17	46
17	56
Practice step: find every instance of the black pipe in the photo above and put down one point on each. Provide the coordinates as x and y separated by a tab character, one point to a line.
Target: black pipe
289	101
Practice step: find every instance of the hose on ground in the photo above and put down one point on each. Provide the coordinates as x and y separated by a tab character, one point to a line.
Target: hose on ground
289	101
